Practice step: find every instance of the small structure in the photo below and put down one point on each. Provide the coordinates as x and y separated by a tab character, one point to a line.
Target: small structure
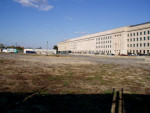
10	50
40	51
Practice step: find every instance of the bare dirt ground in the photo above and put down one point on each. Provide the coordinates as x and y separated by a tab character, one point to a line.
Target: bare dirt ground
57	75
25	73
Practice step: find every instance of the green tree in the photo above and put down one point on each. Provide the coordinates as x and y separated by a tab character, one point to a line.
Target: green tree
2	46
56	48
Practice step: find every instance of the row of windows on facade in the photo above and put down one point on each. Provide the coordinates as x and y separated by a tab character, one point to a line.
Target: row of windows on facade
137	39
103	42
103	38
107	51
118	35
107	46
139	45
138	51
133	34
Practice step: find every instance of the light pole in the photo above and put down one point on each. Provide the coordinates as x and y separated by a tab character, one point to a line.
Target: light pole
47	47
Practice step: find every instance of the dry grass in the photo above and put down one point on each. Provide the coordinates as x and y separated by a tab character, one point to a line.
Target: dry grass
23	76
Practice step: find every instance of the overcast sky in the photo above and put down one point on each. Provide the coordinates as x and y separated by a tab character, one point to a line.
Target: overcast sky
34	22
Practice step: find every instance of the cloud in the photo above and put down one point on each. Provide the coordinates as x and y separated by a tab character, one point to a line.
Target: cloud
68	18
39	4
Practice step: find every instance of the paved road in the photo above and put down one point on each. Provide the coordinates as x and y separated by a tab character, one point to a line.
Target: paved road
74	59
110	59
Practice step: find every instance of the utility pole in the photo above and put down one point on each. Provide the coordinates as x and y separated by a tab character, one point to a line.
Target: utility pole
47	47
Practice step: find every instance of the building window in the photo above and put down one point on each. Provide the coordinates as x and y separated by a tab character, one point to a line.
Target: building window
130	51
147	32
144	44
131	34
133	45
144	38
148	37
110	46
128	40
134	34
148	44
140	33
137	45
137	33
140	51
137	39
140	44
110	41
134	39
144	32
130	45
140	38
128	35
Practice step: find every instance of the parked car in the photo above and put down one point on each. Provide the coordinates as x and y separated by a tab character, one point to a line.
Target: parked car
111	54
131	54
142	55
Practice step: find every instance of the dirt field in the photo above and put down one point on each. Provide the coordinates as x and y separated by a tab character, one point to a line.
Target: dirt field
53	75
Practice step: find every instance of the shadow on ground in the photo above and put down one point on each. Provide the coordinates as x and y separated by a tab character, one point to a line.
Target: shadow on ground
70	103
136	103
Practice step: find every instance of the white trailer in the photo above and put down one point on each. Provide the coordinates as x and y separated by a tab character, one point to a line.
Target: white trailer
10	50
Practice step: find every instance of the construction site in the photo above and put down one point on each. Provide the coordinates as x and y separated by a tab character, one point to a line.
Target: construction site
73	83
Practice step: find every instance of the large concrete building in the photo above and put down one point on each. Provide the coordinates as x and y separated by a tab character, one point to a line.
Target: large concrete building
129	39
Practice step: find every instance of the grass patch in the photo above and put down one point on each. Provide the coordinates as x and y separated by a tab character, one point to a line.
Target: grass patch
147	77
43	92
55	78
107	92
1	61
65	84
68	91
71	79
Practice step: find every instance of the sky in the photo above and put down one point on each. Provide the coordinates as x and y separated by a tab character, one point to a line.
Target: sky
31	23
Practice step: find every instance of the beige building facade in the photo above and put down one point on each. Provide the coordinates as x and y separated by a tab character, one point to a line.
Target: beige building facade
129	39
